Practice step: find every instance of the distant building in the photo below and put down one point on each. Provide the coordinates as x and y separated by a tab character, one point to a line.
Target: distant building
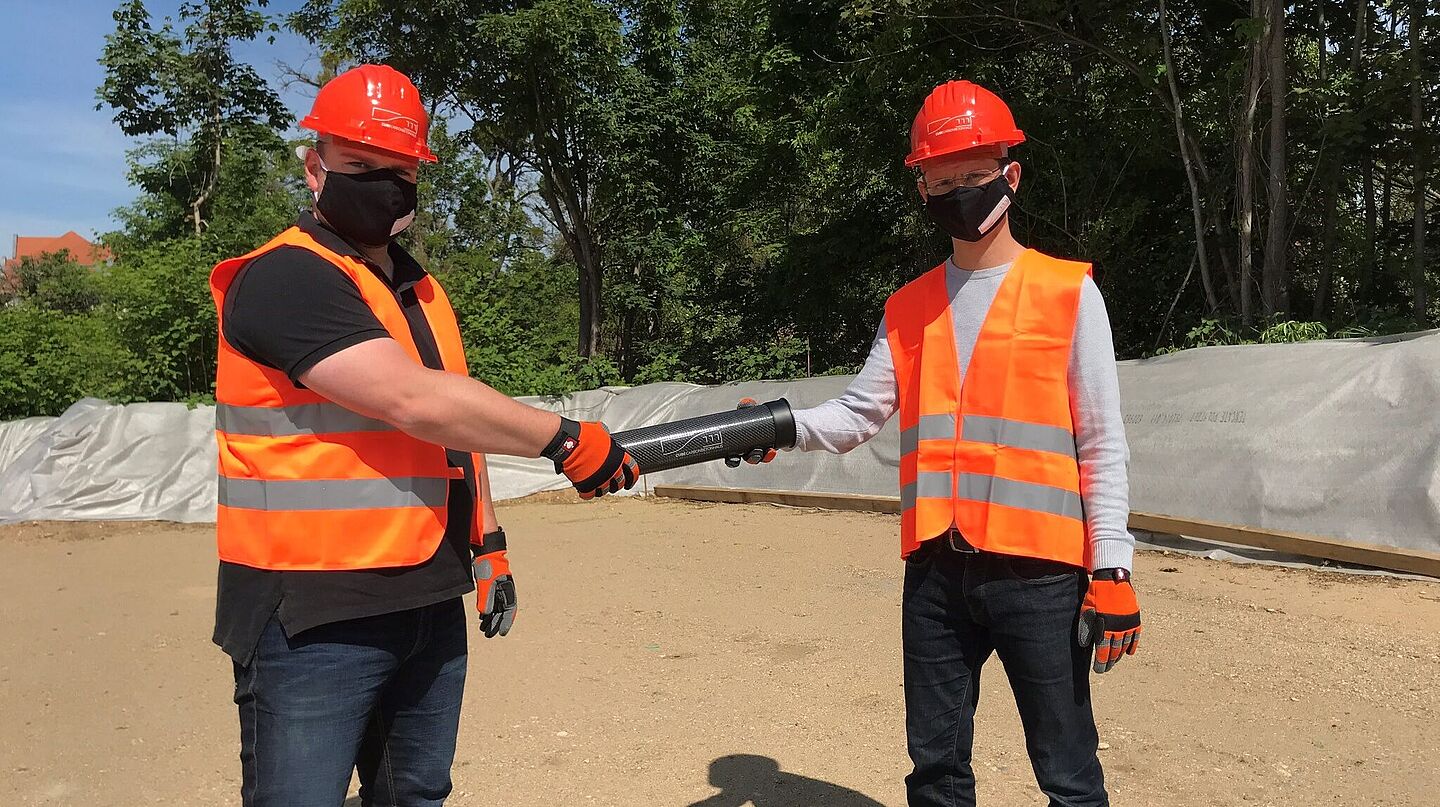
29	246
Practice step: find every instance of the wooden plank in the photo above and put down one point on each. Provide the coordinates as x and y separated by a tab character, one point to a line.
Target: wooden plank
1414	561
790	498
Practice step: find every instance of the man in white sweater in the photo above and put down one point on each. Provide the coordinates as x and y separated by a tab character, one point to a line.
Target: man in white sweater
1013	469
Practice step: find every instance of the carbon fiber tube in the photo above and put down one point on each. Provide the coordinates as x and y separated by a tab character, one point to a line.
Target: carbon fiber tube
710	437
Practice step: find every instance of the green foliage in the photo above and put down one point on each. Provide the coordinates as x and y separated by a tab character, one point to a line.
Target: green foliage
1211	332
1291	331
55	282
49	359
159	308
518	325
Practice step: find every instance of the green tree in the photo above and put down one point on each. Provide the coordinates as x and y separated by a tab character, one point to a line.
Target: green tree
55	282
190	86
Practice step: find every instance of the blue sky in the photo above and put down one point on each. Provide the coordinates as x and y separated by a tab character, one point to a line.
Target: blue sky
62	162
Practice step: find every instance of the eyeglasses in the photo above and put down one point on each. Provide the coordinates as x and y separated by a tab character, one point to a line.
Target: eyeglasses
974	179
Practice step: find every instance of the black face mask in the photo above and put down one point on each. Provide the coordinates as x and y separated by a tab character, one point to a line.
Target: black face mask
962	211
370	208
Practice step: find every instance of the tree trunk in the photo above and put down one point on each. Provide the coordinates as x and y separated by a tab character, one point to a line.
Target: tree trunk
1367	269
1275	290
563	187
1245	170
1384	280
1357	98
1223	235
591	285
1196	208
1420	299
1327	249
569	220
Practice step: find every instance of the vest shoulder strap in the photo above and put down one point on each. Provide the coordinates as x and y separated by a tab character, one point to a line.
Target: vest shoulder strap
910	304
1075	270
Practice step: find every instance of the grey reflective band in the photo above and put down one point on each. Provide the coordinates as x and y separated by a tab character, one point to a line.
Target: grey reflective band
1022	495
1018	434
934	485
332	494
285	421
931	427
927	485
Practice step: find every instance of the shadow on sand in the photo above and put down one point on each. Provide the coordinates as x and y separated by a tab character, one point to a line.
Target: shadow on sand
751	779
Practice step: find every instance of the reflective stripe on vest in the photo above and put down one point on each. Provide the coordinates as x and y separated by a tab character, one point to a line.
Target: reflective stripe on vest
991	453
306	484
277	421
995	490
332	494
982	429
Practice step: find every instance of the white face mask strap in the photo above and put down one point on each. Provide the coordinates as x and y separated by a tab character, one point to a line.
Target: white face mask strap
402	222
301	152
990	220
1001	206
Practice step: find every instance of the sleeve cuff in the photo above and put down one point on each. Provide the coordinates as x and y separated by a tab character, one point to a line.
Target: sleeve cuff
1113	553
320	354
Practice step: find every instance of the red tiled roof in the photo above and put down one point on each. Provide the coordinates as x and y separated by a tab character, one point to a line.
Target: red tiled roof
28	246
84	252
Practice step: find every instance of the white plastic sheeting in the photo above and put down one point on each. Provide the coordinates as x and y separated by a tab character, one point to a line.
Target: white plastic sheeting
101	461
1334	438
1337	438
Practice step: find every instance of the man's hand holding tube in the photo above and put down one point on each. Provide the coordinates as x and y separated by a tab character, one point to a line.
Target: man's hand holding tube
757	456
593	462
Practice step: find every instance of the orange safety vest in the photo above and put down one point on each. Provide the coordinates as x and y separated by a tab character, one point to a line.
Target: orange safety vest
992	455
306	484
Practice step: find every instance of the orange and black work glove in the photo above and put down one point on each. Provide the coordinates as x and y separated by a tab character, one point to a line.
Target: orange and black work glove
756	456
593	462
494	587
1110	618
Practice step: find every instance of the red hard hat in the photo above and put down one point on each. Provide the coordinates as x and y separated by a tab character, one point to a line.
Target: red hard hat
375	105
960	115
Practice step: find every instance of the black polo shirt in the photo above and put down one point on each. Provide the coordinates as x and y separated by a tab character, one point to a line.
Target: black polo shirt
289	309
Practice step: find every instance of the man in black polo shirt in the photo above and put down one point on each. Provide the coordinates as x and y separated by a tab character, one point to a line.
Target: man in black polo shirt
347	534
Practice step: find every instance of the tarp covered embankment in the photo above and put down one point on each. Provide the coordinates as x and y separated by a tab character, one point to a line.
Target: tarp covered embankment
1334	438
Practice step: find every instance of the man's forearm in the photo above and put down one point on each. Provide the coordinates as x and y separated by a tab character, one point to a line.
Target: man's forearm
459	412
841	424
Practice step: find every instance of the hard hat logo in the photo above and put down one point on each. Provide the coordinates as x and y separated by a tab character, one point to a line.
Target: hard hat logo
375	105
958	116
953	123
396	121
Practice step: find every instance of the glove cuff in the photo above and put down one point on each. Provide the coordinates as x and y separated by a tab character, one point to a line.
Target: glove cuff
490	543
564	443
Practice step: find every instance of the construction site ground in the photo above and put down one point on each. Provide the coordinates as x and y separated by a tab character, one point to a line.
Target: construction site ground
677	654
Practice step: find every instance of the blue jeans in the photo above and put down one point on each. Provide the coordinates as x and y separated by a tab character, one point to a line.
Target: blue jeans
380	694
959	607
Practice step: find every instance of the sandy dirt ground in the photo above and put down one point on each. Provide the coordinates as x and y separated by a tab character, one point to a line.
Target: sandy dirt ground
678	654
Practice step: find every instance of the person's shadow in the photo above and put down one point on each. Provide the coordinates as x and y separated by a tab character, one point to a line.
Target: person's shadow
751	779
